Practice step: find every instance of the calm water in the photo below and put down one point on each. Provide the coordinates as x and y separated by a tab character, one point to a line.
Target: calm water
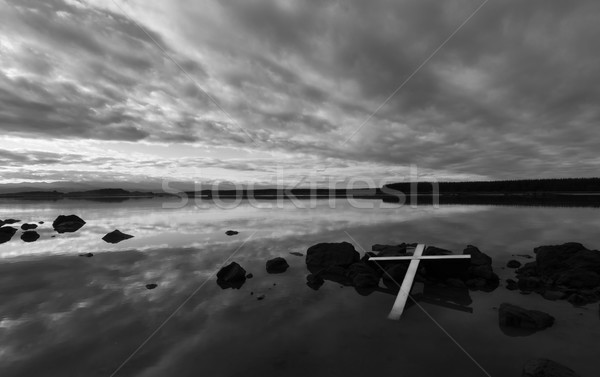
64	315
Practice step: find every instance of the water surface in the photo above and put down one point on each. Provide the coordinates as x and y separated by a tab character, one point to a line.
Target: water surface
64	315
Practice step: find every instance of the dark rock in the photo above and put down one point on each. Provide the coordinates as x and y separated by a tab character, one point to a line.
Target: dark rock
30	236
529	283
11	221
277	265
363	276
6	233
553	295
513	264
231	233
261	297
480	276
88	255
40	222
441	270
546	368
249	276
511	285
394	275
231	276
67	224
324	255
336	274
151	286
28	226
116	236
577	299
477	257
512	316
296	253
315	281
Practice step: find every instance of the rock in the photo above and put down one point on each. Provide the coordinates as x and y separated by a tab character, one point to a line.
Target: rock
28	226
480	275
529	283
249	276
231	276
88	255
511	285
526	256
67	224
324	255
394	275
546	368
513	264
314	281
116	236
577	299
442	270
6	233
40	222
516	317
151	286
261	297
553	295
11	221
30	236
231	233
363	276
277	265
296	253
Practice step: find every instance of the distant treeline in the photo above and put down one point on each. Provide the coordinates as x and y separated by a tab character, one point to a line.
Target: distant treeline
562	185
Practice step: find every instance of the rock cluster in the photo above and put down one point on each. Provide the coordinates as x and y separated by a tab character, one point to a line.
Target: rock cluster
569	271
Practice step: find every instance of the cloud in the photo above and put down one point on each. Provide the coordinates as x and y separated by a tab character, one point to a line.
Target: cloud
509	95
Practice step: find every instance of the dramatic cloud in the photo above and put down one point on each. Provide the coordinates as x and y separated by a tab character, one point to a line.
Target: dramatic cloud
245	87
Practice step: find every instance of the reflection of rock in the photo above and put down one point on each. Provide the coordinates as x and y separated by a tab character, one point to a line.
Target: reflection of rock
88	255
231	233
570	271
546	368
324	255
6	233
363	276
512	316
511	285
28	226
30	236
151	286
231	276
277	265
116	236
513	264
68	224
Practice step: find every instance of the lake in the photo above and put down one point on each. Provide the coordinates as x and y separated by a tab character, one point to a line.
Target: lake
65	315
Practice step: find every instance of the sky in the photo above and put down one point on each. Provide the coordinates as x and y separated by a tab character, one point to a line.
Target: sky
262	92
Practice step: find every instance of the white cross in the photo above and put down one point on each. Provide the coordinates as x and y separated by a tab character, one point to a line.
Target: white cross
407	283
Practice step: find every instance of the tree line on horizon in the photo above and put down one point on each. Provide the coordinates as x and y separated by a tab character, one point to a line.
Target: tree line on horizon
564	185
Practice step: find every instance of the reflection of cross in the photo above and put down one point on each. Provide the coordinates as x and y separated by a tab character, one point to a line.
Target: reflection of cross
407	283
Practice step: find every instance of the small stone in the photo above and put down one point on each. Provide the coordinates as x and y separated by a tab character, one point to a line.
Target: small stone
151	286
231	233
249	276
88	255
261	297
30	236
277	265
513	264
546	368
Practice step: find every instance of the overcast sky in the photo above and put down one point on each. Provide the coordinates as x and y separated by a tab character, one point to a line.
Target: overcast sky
120	90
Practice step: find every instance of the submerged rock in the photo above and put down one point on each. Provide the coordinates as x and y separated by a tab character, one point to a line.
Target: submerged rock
324	255
277	265
546	368
28	226
512	316
67	224
231	276
116	236
231	233
30	236
7	233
